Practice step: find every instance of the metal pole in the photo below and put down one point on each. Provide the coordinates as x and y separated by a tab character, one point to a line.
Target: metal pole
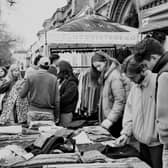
46	45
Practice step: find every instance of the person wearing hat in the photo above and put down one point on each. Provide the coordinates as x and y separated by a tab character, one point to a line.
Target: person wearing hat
41	87
140	114
106	72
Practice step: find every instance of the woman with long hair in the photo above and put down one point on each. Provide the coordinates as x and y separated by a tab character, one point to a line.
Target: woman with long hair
14	109
106	71
68	87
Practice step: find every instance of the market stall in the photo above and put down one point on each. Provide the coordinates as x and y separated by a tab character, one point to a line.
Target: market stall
78	39
52	146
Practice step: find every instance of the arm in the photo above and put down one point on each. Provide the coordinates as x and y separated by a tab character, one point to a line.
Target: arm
162	100
119	100
5	85
127	118
57	104
24	89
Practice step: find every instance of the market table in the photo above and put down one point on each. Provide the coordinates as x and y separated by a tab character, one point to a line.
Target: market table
63	160
50	161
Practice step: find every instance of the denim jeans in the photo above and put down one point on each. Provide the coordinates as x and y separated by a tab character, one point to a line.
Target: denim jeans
165	156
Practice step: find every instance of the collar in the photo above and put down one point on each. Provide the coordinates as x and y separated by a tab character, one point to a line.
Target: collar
145	83
110	69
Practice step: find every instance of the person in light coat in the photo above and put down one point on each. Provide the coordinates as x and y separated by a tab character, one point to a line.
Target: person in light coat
140	114
106	72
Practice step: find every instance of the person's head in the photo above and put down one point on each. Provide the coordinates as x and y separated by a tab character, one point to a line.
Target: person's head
54	58
64	70
14	72
44	63
135	71
100	63
3	72
148	51
37	59
160	36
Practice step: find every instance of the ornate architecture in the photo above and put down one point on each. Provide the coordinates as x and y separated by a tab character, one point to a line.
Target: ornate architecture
124	12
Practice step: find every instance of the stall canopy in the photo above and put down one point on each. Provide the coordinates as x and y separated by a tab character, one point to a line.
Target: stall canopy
152	17
91	31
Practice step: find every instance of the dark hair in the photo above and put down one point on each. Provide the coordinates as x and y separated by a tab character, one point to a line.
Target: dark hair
54	57
145	48
96	76
46	67
65	70
126	62
5	71
133	67
37	59
160	36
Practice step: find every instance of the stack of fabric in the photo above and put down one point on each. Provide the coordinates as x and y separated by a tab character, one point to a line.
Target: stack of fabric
93	156
98	134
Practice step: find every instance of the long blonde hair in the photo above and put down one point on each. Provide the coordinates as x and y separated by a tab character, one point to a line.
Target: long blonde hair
10	72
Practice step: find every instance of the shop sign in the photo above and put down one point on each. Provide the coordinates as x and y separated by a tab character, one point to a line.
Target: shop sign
92	37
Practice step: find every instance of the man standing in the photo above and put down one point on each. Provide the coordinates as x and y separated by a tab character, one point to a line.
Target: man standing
140	114
41	87
151	51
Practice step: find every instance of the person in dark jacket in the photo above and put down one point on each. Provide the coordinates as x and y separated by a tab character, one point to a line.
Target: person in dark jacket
54	58
68	87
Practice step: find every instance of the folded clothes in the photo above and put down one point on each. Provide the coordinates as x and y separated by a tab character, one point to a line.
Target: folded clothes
98	133
96	130
93	156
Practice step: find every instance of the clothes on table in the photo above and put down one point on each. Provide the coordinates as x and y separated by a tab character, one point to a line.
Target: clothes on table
93	156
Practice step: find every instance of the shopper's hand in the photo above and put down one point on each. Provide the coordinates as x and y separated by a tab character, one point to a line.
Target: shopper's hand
106	124
122	140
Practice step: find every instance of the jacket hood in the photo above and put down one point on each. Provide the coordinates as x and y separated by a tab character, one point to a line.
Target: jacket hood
74	79
162	64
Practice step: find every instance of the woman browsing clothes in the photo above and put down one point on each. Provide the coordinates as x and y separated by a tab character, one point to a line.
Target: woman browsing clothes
105	71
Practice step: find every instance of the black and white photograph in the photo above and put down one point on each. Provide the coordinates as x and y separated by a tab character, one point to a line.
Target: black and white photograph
84	83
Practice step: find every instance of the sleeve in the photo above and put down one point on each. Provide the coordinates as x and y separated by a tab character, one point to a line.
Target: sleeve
162	99
70	92
127	118
57	104
23	91
4	86
119	95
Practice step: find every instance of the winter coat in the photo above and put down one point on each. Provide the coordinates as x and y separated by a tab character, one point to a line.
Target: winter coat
162	107
113	94
69	95
162	98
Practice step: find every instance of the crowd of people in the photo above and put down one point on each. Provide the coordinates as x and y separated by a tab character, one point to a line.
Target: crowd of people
133	98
